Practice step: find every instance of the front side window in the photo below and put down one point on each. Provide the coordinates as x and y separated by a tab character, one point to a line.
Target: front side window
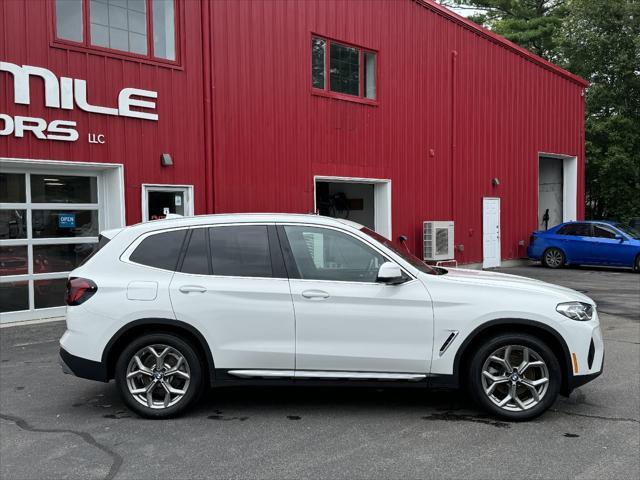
121	25
603	232
240	251
343	69
324	254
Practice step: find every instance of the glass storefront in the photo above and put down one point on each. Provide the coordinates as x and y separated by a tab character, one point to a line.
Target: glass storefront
49	224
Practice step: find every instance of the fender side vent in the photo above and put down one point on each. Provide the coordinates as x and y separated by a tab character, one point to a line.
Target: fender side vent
447	343
592	354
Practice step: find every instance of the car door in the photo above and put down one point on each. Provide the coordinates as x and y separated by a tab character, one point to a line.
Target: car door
574	239
347	322
231	284
606	249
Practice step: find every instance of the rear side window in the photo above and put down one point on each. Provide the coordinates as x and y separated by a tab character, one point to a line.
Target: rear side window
196	258
161	250
576	229
240	251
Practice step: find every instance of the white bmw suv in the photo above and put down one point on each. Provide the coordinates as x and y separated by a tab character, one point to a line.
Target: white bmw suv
171	307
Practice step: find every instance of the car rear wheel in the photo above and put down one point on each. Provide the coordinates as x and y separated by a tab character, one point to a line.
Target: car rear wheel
159	375
636	265
553	258
515	376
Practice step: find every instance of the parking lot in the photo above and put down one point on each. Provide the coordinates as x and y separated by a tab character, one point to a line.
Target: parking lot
57	426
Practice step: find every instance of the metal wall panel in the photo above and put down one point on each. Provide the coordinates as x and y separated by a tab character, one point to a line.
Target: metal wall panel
25	39
456	109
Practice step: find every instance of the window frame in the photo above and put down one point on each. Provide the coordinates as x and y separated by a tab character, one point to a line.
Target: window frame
576	225
326	91
86	46
278	267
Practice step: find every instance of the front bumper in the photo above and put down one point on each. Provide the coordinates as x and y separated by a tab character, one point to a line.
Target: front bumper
81	367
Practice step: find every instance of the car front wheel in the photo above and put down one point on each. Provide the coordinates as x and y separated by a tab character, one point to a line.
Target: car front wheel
515	376
159	375
553	258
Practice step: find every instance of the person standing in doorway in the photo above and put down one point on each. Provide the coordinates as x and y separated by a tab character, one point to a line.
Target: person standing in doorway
545	219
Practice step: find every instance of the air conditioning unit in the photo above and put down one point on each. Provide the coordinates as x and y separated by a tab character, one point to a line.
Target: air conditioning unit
438	240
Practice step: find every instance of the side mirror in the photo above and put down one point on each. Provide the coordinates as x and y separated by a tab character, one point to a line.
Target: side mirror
620	238
390	273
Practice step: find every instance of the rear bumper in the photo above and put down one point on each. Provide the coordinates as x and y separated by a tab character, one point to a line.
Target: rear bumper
81	367
534	253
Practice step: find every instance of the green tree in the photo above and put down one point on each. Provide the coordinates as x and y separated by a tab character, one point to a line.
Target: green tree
531	24
600	41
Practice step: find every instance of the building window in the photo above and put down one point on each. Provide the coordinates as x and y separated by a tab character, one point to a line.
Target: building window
343	69
140	27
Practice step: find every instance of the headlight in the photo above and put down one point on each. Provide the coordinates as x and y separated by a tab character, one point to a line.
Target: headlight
576	310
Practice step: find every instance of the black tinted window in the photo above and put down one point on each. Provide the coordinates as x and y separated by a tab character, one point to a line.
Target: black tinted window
576	229
160	250
241	251
603	232
196	258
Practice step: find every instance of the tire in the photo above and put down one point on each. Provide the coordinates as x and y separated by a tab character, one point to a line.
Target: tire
636	265
553	258
488	361
179	359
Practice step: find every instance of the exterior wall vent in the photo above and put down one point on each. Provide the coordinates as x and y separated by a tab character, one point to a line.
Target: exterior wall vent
438	240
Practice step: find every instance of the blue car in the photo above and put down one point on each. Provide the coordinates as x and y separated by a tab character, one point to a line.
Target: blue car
586	243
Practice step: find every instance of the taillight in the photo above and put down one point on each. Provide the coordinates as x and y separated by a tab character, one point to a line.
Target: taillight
532	239
79	290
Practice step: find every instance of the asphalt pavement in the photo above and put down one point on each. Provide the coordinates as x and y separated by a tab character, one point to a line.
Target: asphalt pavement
58	426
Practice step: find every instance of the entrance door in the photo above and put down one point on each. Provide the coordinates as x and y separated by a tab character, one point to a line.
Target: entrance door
490	232
347	322
160	200
550	193
366	201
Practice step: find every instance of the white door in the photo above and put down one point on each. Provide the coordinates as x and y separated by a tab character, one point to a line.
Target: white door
345	321
160	200
490	232
231	289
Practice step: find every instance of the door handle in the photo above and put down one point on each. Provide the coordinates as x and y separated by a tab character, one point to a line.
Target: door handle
192	288
315	294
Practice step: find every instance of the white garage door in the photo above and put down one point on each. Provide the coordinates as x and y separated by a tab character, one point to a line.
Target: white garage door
49	223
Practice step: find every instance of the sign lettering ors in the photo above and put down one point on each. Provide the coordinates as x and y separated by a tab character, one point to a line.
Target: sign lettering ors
65	93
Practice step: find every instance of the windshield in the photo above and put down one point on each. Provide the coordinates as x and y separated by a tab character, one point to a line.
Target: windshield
404	253
632	232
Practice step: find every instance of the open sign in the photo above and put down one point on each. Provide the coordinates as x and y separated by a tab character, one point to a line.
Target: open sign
66	220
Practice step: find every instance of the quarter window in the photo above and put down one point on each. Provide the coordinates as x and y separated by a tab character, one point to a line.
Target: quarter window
324	254
121	25
343	69
240	251
160	250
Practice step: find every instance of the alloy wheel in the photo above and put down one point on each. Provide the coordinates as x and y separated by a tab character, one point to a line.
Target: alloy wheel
553	257
158	376
515	378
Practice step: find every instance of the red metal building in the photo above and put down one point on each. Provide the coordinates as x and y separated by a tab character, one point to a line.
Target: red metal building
388	112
